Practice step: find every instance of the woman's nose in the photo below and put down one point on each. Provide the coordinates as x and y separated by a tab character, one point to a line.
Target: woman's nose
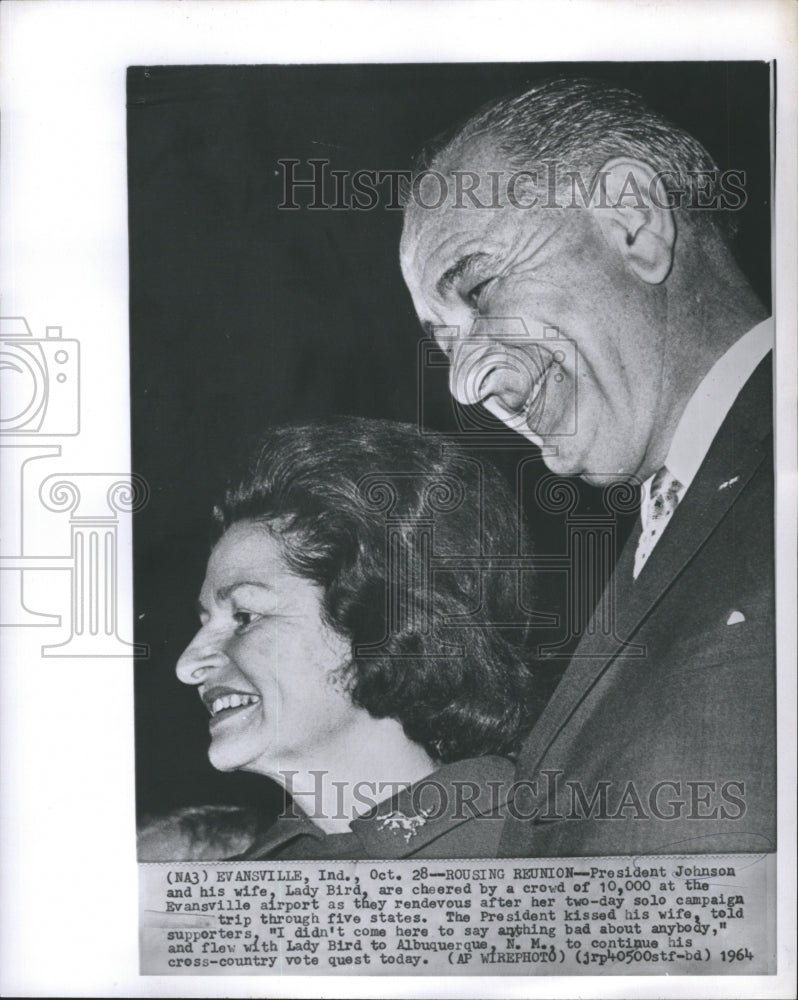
202	655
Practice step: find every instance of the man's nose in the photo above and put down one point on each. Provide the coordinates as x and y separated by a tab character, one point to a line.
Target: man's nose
204	654
481	371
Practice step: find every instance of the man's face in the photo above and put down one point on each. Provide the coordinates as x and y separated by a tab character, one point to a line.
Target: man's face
596	411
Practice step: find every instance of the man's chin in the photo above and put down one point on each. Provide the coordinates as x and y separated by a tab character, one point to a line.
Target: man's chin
601	479
557	460
560	460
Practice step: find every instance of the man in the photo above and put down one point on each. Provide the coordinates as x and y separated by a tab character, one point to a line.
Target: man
579	216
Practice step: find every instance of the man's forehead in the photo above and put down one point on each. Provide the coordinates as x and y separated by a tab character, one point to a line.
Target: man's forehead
471	190
434	239
427	230
480	153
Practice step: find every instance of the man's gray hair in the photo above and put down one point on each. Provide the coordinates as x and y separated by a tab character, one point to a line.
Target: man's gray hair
578	124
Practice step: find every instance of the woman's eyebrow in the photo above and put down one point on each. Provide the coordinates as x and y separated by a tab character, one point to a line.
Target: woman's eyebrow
223	593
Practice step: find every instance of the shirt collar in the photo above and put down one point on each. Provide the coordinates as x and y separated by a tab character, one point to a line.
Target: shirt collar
712	400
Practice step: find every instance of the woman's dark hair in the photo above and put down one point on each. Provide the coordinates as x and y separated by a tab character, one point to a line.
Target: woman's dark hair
402	530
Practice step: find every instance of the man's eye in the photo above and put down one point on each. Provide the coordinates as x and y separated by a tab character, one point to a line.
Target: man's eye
475	294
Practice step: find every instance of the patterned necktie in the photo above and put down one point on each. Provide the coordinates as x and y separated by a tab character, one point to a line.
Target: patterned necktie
663	498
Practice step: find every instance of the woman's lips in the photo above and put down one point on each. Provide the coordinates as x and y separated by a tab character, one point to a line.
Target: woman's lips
223	703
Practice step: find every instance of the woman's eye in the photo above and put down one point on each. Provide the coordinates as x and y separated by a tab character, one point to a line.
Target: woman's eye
244	619
475	294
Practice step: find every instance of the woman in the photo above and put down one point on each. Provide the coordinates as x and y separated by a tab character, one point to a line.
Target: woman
349	646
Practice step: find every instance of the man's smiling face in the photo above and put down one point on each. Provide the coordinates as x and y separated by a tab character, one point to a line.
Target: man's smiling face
553	269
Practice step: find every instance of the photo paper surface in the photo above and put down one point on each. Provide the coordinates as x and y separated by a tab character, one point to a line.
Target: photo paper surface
439	567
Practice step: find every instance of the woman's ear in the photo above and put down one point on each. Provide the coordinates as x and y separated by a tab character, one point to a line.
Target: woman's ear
635	217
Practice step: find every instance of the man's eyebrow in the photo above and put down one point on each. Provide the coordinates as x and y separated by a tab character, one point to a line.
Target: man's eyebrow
448	278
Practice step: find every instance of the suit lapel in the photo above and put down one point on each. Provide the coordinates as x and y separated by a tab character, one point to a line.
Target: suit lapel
741	445
739	448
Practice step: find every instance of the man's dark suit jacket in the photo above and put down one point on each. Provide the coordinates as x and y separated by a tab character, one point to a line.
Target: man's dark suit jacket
698	706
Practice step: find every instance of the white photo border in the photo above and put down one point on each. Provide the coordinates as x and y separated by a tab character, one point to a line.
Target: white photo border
70	880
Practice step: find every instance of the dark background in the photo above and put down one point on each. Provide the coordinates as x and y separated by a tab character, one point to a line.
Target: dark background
244	315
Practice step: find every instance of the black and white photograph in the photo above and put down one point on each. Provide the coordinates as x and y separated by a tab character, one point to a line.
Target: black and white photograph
441	329
405	574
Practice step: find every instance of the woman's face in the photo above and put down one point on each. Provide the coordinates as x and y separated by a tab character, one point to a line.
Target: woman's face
265	664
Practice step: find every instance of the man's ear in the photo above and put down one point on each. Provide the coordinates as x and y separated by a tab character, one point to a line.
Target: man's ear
636	219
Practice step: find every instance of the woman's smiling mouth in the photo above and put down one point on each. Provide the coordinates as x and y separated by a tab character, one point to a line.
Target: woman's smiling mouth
223	702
